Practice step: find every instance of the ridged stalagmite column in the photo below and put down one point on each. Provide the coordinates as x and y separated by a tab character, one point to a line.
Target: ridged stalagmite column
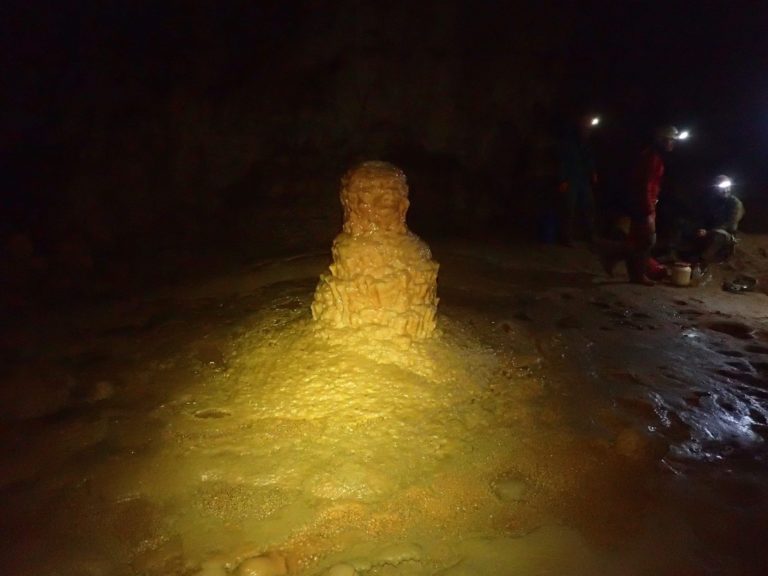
382	276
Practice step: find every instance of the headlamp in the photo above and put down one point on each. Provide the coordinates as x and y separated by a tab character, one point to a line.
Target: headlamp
724	183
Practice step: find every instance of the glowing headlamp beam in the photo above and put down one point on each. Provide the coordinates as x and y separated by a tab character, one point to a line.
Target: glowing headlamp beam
724	184
595	121
684	135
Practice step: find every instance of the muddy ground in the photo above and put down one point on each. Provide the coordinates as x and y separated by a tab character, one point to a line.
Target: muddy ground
562	422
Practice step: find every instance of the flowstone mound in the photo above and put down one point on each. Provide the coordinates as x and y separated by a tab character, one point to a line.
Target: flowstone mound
382	278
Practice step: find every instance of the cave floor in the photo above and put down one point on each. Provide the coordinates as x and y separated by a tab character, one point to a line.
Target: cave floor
561	422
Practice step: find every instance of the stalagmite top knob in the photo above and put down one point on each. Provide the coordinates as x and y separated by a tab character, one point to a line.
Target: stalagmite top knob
375	199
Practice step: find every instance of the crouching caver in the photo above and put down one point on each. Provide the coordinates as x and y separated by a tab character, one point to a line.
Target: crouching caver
708	235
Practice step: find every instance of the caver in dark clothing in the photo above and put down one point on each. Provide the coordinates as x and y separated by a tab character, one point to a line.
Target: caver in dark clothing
707	234
571	213
723	211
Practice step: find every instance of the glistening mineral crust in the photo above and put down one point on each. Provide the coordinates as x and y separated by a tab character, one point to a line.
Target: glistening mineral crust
382	278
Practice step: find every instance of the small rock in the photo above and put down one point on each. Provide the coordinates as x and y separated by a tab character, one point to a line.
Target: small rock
341	570
268	565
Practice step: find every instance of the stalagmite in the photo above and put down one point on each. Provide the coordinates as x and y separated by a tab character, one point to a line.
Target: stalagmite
382	278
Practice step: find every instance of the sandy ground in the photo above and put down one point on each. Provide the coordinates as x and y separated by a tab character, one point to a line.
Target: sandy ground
562	422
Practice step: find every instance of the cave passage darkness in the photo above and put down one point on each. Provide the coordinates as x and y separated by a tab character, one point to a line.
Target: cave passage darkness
155	139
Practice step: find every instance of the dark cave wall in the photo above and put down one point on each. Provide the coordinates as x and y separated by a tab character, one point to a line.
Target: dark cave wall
148	128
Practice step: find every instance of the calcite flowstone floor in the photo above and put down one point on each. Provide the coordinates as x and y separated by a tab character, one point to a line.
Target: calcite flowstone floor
560	423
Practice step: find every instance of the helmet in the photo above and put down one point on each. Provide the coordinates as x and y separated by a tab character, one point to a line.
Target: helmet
667	133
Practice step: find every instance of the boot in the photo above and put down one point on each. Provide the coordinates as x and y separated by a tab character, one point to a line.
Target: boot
636	266
643	280
655	271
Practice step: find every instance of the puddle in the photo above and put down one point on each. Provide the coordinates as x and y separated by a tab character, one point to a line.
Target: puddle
756	349
735	329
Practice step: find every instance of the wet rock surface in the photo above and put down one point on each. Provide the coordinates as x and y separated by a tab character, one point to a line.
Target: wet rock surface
561	421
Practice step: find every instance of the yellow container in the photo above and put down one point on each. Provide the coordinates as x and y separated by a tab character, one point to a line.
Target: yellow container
681	274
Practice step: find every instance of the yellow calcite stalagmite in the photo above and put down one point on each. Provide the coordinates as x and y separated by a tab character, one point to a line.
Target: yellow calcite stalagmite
382	276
